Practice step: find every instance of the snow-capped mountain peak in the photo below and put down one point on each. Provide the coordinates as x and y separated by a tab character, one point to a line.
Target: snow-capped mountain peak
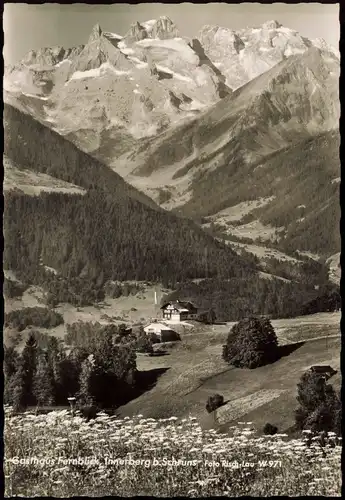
96	33
244	54
271	25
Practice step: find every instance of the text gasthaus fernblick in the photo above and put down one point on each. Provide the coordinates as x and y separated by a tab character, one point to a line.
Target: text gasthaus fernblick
143	462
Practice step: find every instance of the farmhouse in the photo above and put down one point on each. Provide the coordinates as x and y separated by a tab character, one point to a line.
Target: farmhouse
179	311
162	332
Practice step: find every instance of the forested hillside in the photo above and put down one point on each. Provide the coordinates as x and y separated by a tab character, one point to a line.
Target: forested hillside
98	236
111	232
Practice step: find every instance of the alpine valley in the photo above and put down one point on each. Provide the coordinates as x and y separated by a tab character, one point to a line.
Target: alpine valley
171	262
151	156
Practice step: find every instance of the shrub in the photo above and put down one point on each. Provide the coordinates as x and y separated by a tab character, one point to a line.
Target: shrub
89	412
270	429
214	402
252	342
144	343
33	316
329	301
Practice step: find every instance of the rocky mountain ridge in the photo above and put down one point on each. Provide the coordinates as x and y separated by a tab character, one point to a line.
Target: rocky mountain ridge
244	54
123	88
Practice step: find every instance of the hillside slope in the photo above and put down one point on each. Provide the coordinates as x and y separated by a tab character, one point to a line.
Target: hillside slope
195	370
292	194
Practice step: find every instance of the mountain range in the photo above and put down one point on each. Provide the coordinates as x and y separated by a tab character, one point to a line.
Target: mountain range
237	130
109	93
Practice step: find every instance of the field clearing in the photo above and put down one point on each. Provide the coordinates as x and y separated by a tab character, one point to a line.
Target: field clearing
242	406
134	309
237	212
252	230
131	309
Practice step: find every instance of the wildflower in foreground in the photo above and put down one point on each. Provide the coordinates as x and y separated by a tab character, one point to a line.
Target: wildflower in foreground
138	438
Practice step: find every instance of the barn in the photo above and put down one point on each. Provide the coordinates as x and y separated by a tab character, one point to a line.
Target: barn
177	311
325	371
162	332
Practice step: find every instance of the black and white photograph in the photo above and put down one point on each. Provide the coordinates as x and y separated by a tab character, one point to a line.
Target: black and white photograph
171	260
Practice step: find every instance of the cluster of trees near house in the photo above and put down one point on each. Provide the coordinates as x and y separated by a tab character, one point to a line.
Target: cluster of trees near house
95	363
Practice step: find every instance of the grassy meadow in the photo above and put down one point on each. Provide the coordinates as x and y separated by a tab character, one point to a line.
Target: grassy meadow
62	455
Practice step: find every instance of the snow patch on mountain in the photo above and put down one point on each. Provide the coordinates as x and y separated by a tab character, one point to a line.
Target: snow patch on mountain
127	51
247	53
36	96
97	72
176	75
112	35
174	44
63	63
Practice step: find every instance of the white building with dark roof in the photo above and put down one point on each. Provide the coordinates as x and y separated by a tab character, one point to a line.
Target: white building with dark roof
163	333
177	311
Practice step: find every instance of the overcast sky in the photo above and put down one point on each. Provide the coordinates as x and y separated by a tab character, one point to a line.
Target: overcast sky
29	27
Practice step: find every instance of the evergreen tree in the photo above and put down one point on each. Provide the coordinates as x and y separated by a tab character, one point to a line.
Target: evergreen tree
18	390
320	407
11	358
11	365
23	379
211	317
43	384
86	382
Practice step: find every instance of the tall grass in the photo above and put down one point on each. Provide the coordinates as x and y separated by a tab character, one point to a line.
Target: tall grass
60	455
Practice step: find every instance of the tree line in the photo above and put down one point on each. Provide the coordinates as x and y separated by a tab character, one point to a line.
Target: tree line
101	373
